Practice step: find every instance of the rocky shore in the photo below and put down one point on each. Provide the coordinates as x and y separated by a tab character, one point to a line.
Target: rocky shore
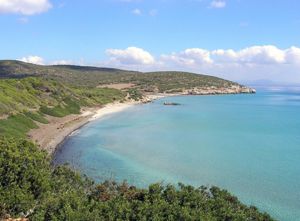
213	90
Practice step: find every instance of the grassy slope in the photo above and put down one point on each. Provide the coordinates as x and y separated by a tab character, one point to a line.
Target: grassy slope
93	76
28	99
62	90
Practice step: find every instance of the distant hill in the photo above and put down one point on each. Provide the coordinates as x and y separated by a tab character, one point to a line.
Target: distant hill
94	76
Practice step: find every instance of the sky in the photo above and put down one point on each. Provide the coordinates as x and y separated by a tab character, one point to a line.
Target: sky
241	40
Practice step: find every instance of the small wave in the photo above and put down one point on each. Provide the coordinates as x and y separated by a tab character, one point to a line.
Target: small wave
74	133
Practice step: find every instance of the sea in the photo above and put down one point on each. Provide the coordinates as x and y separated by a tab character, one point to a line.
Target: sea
248	144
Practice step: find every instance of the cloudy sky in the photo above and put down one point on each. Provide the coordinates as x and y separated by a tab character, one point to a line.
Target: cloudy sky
242	40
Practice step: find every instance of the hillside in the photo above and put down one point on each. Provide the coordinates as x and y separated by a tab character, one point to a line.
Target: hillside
29	93
28	100
169	82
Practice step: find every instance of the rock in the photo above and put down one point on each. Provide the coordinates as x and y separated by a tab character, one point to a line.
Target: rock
171	103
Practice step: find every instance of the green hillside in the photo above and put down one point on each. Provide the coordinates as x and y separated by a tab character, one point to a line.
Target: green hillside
29	99
33	92
93	76
29	91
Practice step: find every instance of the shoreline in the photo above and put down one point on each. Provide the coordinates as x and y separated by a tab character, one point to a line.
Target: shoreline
50	137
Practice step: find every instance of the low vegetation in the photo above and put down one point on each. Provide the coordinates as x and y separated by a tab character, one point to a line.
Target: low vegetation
32	93
36	116
16	125
26	101
29	92
92	76
30	187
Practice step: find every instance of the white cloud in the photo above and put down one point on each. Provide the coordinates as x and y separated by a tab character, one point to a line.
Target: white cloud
255	55
292	55
192	56
137	11
62	62
41	61
33	60
25	7
218	4
247	64
267	54
130	56
250	63
261	54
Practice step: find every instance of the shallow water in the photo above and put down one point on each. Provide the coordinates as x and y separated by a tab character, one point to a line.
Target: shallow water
248	144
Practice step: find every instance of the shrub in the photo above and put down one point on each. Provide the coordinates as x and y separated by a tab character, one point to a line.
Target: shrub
36	117
16	125
30	186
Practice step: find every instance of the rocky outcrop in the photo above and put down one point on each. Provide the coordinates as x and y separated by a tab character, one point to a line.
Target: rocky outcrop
234	89
171	103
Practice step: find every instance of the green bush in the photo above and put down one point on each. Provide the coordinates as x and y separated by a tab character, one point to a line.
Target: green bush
135	94
57	111
68	106
24	176
72	106
30	187
16	125
36	117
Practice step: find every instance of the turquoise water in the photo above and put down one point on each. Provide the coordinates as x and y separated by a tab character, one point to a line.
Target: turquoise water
248	144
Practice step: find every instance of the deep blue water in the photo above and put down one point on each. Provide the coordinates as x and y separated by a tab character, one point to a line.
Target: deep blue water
248	144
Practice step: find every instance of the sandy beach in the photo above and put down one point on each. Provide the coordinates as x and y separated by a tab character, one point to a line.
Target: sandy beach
49	136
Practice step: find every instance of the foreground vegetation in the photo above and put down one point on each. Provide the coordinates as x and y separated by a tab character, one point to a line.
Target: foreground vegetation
30	187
